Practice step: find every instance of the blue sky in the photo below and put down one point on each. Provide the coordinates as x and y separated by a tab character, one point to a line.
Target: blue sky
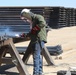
63	3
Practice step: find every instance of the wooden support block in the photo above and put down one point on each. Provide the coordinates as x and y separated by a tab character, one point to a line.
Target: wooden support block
16	59
45	53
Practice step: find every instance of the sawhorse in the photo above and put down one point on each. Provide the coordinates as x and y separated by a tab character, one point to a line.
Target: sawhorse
45	53
15	57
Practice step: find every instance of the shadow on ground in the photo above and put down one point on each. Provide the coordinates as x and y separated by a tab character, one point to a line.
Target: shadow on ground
3	69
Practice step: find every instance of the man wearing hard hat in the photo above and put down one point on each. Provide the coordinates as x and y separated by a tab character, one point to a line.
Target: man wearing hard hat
38	37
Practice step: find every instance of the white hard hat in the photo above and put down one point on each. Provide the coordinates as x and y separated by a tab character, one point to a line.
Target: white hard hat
25	10
26	13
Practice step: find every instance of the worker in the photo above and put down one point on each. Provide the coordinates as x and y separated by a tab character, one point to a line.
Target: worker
37	35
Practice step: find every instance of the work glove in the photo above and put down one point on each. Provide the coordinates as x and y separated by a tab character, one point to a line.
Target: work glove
35	29
23	35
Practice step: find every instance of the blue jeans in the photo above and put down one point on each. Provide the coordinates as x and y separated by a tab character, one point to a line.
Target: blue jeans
37	58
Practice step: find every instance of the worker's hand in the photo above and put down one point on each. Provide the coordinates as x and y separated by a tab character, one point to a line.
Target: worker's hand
22	35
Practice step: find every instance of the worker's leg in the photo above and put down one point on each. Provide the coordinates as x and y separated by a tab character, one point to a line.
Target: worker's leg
41	58
37	59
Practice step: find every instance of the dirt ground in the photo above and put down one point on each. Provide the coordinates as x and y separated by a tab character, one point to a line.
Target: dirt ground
66	37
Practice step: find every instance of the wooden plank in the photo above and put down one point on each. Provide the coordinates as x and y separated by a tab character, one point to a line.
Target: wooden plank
5	59
2	53
47	56
27	54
